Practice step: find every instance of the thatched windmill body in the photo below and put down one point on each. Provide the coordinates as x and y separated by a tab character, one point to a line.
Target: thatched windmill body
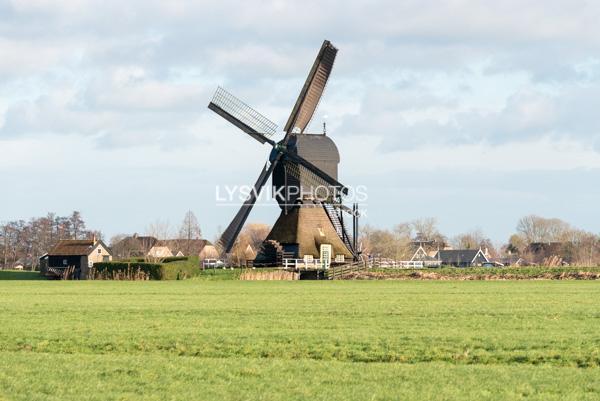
304	169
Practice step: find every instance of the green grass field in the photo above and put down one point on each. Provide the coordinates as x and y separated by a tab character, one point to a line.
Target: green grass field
341	340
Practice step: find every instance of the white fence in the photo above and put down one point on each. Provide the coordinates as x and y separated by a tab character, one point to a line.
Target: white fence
307	264
312	264
401	264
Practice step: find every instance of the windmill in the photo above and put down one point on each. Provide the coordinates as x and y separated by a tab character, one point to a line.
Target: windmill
304	171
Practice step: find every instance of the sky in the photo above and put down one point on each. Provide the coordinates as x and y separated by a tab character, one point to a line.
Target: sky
473	112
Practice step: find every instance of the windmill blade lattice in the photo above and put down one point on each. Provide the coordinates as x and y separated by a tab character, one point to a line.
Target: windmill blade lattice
243	116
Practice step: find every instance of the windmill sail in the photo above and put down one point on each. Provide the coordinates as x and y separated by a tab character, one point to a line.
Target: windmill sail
242	116
233	229
317	172
313	89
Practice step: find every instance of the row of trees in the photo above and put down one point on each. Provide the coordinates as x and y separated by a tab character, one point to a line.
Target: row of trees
162	230
398	242
535	238
23	242
184	238
535	233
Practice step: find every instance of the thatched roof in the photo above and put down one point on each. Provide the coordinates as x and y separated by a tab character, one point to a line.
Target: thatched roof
309	227
72	247
249	253
209	252
160	252
186	247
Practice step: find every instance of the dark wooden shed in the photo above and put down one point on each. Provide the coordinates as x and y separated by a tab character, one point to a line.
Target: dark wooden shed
79	255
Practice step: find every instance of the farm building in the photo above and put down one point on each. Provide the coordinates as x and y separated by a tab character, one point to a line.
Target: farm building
462	257
184	247
133	246
428	259
141	246
78	255
209	252
159	251
177	247
511	260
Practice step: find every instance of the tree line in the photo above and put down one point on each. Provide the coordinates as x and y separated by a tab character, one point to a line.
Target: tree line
25	241
535	239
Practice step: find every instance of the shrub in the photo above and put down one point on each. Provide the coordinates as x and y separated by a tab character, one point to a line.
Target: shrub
174	259
154	270
179	271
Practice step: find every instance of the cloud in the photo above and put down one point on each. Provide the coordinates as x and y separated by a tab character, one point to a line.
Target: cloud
417	85
408	119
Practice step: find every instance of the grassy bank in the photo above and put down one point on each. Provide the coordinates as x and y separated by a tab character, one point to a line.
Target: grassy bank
341	340
483	273
20	275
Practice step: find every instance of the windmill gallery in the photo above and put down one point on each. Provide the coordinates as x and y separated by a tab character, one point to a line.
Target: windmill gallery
303	167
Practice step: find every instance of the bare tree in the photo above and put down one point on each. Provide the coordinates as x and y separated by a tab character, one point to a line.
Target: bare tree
404	230
469	240
539	229
77	225
252	235
5	243
427	227
517	244
25	241
385	243
189	230
159	229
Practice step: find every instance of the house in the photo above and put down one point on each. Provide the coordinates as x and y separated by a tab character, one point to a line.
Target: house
511	260
209	252
462	257
428	258
420	254
177	247
133	246
185	247
160	251
142	246
80	255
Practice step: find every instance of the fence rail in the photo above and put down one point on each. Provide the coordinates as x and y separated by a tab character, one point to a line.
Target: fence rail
338	272
402	264
299	264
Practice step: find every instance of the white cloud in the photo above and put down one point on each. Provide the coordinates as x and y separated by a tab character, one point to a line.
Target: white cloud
453	86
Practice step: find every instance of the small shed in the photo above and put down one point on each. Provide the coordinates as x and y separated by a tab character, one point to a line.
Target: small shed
77	254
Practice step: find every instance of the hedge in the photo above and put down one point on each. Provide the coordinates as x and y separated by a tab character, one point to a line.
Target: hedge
154	270
174	259
164	260
179	271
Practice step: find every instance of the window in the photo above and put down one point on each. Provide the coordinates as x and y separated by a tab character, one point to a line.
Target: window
99	251
65	262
